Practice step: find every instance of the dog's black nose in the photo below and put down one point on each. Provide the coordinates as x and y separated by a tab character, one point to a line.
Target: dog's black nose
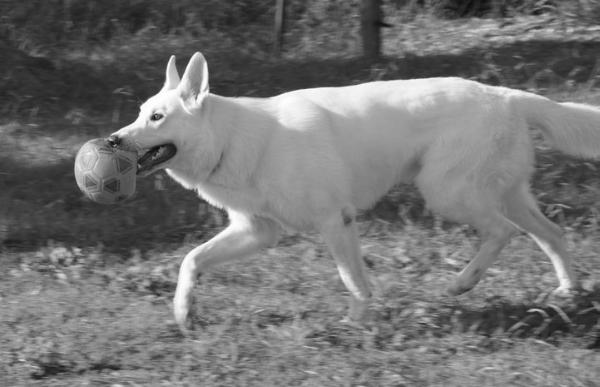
113	140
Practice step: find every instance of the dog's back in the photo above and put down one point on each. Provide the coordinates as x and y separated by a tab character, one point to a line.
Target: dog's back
363	139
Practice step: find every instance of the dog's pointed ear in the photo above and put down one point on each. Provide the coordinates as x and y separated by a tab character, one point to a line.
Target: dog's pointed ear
194	82
171	75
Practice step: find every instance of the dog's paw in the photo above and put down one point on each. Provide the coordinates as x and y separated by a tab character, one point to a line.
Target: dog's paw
357	313
565	295
456	289
182	312
566	292
357	310
348	321
562	295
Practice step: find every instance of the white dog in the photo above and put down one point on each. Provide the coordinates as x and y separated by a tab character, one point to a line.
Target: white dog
309	159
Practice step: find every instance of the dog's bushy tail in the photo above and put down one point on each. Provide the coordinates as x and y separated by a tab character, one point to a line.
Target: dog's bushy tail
572	128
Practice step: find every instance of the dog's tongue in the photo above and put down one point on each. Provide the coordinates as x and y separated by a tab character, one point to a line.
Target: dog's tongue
157	155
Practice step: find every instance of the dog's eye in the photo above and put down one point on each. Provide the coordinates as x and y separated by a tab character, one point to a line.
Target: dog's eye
156	117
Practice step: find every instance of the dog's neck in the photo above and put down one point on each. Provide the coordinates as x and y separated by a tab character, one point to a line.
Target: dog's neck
236	123
217	166
243	129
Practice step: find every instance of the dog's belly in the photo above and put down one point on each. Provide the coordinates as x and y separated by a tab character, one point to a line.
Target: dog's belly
372	183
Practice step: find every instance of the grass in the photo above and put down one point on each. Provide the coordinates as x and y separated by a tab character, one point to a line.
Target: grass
75	317
86	290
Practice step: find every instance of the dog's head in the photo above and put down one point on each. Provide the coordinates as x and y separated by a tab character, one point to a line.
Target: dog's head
170	123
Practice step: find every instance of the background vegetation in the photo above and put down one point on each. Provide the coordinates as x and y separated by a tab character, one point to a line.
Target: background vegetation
85	289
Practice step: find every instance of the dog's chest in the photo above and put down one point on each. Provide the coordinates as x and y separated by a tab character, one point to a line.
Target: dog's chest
251	202
243	201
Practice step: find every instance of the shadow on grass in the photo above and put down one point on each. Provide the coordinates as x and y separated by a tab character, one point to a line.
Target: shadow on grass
43	203
579	317
574	320
568	322
497	323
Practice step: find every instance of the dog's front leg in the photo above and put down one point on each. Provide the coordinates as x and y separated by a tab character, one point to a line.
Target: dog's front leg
341	236
240	239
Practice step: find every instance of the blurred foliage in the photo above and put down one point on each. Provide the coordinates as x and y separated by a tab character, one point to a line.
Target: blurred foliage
41	25
585	9
59	21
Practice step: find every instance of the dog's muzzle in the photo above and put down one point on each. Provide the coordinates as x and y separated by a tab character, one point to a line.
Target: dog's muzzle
149	159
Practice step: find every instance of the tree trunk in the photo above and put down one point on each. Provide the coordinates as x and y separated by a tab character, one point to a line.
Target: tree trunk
370	25
279	26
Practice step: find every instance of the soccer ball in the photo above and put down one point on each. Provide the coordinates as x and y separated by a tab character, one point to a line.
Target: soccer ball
104	173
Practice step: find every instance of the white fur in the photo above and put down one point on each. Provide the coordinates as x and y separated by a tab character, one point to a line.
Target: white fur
308	158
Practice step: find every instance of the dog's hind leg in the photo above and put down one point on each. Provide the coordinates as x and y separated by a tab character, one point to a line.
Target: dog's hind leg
522	210
243	237
341	236
495	232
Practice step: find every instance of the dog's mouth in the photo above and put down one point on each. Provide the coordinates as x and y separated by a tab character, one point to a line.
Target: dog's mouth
154	157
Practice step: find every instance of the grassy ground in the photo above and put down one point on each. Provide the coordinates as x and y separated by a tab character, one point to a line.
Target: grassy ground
85	290
75	317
